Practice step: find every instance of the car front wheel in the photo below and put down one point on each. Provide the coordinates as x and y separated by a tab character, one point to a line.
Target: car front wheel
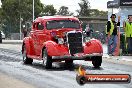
47	60
26	60
96	61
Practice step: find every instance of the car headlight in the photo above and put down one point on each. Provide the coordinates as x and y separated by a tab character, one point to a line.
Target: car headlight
60	41
87	39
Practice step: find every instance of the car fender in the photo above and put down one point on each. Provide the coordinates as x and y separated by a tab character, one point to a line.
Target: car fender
55	49
93	46
28	42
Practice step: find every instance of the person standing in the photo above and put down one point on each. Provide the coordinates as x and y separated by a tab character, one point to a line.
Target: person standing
87	29
112	33
25	33
128	31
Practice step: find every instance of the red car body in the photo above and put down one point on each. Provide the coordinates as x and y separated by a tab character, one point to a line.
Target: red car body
55	36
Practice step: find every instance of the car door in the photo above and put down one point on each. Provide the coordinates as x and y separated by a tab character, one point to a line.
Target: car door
40	37
34	37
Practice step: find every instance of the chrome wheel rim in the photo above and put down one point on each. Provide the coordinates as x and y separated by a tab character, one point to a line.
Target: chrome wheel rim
24	54
44	58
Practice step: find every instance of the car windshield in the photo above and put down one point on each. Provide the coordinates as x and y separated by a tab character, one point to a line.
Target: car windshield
56	24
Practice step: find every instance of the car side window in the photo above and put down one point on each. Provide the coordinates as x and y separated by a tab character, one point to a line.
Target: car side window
40	26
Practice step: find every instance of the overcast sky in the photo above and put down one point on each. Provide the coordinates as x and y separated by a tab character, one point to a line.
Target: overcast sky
73	4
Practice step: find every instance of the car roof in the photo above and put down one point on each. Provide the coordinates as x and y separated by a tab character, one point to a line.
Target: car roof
48	18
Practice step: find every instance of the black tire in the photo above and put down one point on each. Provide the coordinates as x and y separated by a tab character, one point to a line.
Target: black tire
69	62
96	61
26	60
47	60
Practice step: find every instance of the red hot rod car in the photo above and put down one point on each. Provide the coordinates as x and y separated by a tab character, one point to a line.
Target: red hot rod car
59	38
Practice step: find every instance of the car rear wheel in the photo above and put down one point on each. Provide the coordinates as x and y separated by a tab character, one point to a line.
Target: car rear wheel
47	60
96	61
26	60
69	62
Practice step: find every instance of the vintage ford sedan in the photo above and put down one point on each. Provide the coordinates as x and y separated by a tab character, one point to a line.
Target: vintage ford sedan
59	38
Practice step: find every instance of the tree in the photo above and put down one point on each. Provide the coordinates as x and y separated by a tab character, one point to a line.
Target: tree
103	13
13	9
64	11
84	8
1	15
97	13
48	10
94	12
86	11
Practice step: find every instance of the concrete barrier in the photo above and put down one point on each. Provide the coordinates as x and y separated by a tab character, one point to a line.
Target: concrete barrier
12	41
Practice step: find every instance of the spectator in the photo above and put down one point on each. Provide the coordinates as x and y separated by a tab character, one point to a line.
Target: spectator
88	30
112	34
128	31
25	33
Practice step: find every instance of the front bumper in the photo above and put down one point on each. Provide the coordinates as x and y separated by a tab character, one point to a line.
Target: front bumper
77	57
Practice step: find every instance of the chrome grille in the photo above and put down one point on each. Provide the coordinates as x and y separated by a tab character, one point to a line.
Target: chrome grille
75	42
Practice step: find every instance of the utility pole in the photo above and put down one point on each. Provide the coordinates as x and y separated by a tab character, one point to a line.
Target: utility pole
33	10
20	24
20	27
